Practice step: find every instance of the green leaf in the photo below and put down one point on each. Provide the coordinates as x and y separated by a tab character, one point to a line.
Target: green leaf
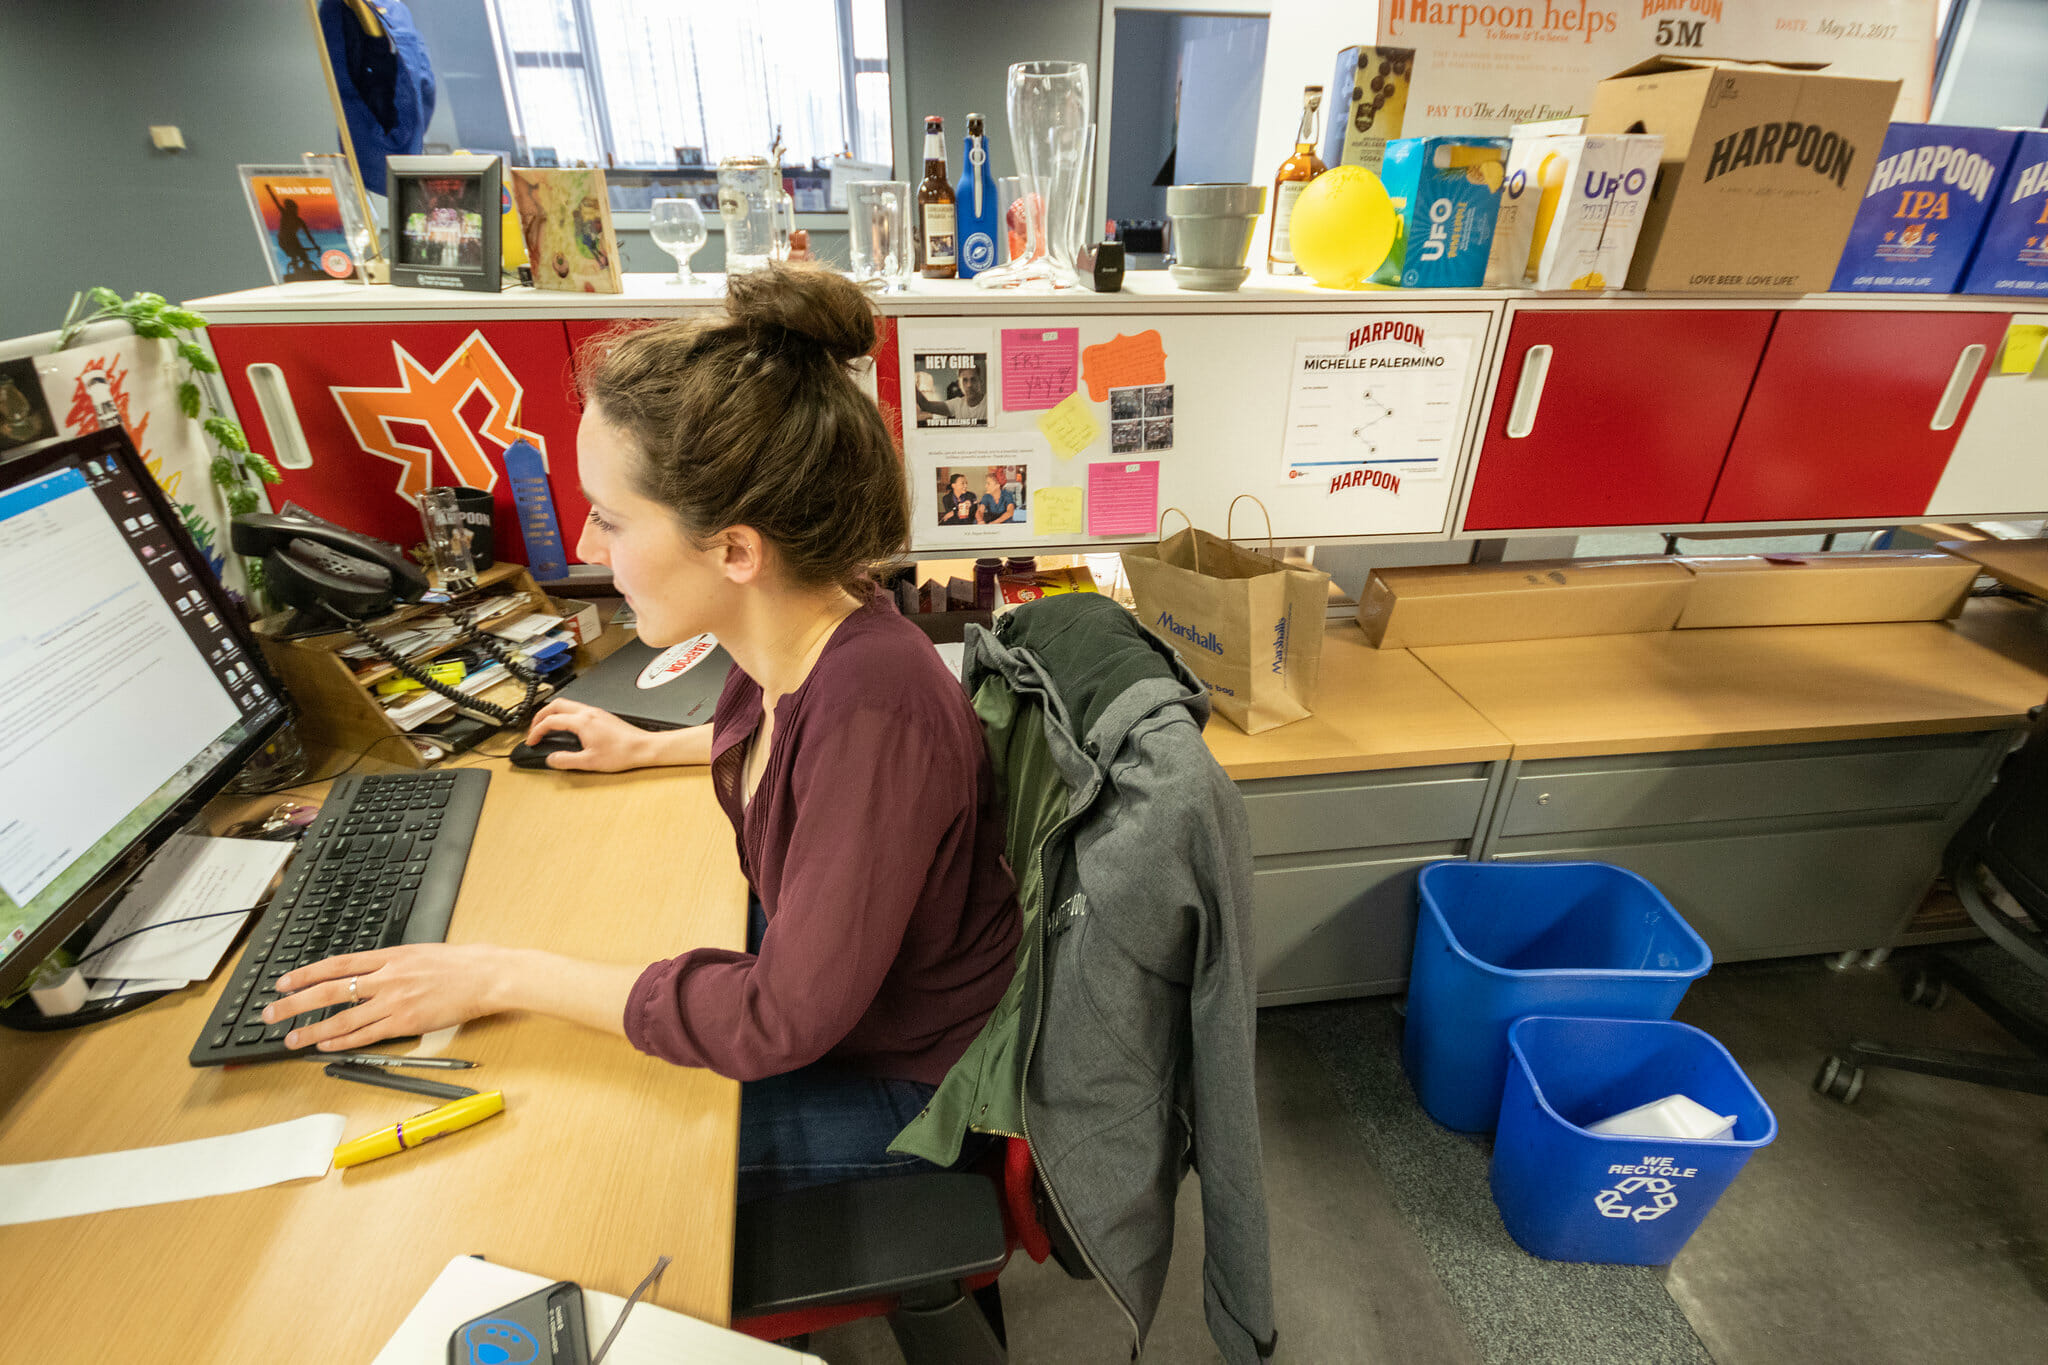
147	326
104	297
147	300
196	356
227	433
242	501
262	468
188	399
223	471
184	319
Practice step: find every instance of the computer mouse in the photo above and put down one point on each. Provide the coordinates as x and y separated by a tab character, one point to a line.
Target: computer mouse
553	742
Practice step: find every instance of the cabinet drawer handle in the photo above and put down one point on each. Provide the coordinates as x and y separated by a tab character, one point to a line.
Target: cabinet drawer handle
1529	390
1958	385
274	401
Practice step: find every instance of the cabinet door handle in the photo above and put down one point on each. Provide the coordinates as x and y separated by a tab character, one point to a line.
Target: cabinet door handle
1958	385
274	401
1529	390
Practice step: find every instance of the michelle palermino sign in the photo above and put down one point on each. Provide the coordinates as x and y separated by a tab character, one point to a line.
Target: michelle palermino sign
1483	67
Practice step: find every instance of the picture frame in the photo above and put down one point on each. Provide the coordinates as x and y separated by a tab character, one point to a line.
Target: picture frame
565	217
299	216
447	221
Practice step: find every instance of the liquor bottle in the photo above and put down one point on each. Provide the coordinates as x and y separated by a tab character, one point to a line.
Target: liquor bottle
937	229
977	213
1295	173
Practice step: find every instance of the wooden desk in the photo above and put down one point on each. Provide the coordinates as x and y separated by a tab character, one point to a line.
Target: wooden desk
1711	689
603	1159
1375	709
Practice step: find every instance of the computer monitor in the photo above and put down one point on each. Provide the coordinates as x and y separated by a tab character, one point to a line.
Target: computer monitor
131	690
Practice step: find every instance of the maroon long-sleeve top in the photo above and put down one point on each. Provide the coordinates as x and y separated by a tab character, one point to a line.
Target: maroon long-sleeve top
874	840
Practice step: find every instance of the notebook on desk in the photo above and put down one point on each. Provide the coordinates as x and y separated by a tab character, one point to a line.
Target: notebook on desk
467	1288
656	689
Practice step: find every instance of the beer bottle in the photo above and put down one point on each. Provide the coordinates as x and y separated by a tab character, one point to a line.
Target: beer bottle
937	230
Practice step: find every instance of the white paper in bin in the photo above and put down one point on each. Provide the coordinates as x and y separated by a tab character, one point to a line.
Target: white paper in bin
1674	1116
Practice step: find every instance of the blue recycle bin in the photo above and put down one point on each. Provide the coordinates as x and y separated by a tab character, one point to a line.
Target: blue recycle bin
1569	1195
1496	941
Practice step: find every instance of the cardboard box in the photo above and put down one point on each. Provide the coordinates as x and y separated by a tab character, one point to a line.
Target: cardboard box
1764	168
1571	210
1924	209
2012	255
1824	589
1463	604
2021	564
1447	192
1367	99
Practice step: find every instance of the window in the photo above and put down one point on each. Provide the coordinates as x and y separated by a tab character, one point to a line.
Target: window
642	83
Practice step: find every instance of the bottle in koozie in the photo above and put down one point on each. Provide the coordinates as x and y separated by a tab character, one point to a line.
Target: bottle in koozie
977	210
937	229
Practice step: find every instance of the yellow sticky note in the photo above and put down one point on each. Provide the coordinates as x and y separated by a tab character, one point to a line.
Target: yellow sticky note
2023	343
1070	425
1057	511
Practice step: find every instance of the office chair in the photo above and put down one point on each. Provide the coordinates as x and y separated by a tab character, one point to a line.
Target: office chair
922	1250
2008	835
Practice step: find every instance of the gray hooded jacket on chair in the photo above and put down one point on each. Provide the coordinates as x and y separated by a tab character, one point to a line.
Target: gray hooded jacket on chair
1139	1062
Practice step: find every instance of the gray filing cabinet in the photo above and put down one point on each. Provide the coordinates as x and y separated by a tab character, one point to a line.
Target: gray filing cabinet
1333	871
1767	852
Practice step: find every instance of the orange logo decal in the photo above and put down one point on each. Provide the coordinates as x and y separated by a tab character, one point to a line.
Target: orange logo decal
435	402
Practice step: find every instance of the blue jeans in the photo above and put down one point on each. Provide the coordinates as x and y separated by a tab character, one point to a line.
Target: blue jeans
823	1123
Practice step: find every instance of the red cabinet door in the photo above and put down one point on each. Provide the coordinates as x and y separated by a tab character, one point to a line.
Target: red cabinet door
1854	414
358	416
1613	418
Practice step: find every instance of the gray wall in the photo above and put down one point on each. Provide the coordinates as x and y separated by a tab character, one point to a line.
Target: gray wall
87	200
1998	74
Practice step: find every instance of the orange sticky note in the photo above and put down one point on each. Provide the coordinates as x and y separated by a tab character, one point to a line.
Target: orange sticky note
1126	362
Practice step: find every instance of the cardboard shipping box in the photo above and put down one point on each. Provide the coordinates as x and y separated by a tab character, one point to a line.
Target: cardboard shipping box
1924	209
1465	604
1824	589
2012	254
1571	209
1764	167
2021	564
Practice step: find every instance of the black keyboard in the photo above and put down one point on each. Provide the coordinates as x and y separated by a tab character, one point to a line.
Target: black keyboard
380	866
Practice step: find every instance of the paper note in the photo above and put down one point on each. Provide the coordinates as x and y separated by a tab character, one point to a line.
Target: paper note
188	876
1040	366
1123	497
1126	362
469	1288
1059	511
2023	343
295	1150
1069	426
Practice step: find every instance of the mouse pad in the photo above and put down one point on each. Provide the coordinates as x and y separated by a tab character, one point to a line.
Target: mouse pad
658	689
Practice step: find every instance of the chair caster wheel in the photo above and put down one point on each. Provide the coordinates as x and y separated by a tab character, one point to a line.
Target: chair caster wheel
1926	990
1839	1079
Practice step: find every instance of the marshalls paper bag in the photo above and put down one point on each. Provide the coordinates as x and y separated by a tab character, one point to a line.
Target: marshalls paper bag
1249	626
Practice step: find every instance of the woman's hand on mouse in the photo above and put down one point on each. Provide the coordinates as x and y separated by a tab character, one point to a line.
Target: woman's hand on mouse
610	745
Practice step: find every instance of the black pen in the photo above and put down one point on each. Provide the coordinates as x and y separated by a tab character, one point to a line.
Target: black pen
386	1059
392	1080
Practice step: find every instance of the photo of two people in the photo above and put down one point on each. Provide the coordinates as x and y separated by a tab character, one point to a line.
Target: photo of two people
983	495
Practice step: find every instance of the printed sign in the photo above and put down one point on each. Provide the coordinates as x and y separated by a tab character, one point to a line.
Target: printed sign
1375	406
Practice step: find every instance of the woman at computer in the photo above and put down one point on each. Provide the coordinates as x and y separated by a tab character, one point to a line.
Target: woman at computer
741	484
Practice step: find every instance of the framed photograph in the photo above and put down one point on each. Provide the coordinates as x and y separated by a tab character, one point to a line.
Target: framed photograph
566	218
951	388
445	221
298	216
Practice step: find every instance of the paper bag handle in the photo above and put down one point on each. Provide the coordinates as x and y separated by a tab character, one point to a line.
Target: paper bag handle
1230	516
1194	542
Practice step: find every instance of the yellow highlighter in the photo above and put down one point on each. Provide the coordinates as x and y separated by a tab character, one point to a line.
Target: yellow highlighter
409	1133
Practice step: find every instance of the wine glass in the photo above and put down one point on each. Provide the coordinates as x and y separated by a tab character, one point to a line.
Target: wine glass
677	226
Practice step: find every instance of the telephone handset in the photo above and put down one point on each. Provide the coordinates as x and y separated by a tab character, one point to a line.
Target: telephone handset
320	568
311	565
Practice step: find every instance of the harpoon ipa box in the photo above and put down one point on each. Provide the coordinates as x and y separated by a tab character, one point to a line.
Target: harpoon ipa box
1925	208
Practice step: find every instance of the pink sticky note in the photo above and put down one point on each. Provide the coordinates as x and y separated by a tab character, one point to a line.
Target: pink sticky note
1123	497
1041	365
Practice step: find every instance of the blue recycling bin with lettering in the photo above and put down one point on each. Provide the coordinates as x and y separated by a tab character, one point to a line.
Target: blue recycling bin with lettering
1567	1194
1497	941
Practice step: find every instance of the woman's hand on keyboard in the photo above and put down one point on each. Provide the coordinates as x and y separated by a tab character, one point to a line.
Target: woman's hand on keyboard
399	992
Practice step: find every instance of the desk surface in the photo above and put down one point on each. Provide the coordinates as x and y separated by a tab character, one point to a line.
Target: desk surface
1710	689
603	1160
1373	709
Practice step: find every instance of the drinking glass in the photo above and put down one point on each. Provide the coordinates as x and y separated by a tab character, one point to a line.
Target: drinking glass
677	226
1053	142
878	233
448	537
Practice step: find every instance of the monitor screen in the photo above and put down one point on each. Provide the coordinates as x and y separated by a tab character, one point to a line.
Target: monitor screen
134	691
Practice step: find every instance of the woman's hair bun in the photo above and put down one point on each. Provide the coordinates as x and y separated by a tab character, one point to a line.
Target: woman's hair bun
803	300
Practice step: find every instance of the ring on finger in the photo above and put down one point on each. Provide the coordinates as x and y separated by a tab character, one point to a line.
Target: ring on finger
353	998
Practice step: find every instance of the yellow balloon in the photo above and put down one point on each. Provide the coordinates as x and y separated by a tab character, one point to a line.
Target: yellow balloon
1343	227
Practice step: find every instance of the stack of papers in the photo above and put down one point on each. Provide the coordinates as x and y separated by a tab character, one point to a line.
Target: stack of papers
190	875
